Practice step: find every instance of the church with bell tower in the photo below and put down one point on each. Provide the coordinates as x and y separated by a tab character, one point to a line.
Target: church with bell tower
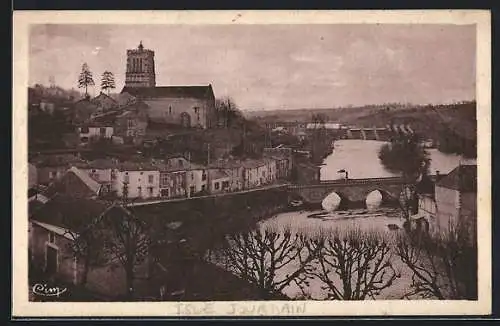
187	106
140	68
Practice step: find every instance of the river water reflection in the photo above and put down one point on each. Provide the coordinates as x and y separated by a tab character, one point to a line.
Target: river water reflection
360	159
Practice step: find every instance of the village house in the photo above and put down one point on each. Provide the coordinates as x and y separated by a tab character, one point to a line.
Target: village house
81	111
172	182
100	170
306	173
233	169
259	172
52	167
196	179
92	131
132	123
104	102
284	161
77	183
136	180
450	200
455	196
56	227
219	181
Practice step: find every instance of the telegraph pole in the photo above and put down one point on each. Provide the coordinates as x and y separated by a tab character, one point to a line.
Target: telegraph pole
208	154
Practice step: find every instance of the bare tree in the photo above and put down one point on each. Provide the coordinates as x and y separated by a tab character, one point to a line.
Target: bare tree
268	258
443	266
125	241
86	243
227	111
85	78
352	266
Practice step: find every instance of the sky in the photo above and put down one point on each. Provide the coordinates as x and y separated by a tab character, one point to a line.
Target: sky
274	66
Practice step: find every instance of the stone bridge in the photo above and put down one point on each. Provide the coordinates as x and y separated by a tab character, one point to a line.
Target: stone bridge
351	190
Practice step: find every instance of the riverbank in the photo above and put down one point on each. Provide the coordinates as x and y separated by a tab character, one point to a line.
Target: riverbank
203	221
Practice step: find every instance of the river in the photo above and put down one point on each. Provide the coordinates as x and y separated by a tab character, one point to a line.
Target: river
360	159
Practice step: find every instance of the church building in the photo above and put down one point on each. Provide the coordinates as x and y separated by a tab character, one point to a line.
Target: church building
188	106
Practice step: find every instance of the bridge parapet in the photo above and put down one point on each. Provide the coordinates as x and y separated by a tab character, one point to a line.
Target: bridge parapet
354	190
351	189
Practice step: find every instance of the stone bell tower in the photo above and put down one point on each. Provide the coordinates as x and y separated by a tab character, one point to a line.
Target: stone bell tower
140	68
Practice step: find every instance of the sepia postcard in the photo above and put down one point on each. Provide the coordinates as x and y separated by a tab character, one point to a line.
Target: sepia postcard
251	163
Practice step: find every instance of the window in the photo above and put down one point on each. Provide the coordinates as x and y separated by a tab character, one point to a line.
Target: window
192	176
84	130
169	110
130	124
203	188
164	193
102	131
225	184
204	176
150	190
139	191
181	163
151	178
52	237
126	178
216	186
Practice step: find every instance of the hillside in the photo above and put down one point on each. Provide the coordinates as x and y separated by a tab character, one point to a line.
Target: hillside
453	126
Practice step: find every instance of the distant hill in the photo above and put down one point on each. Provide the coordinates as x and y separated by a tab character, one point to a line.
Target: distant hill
451	125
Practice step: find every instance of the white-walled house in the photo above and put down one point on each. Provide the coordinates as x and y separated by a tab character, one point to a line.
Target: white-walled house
259	172
219	181
94	130
100	170
456	197
452	200
196	179
141	180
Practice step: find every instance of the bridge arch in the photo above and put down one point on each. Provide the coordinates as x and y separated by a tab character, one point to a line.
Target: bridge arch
378	197
335	200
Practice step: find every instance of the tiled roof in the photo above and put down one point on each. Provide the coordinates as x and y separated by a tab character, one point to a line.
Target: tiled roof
91	183
59	186
199	92
56	160
223	164
251	164
123	98
97	164
217	174
138	166
68	212
101	97
463	178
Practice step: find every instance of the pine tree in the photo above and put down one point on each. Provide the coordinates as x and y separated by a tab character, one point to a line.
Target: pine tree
85	79
107	81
